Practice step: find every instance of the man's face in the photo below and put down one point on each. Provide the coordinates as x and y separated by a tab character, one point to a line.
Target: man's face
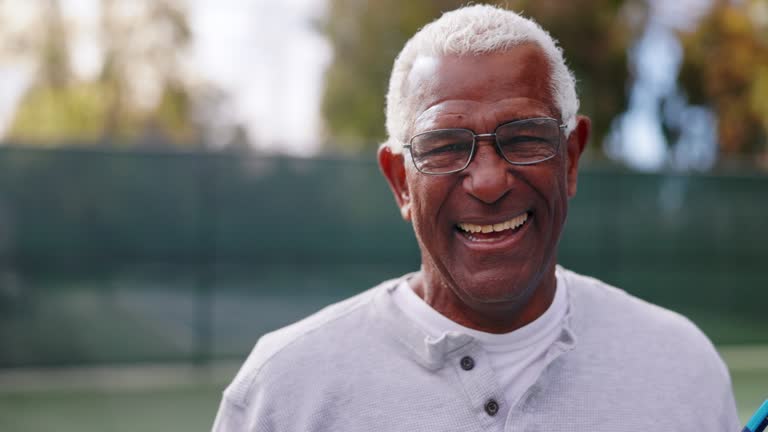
480	93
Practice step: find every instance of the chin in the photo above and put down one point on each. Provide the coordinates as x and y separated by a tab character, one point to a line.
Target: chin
499	290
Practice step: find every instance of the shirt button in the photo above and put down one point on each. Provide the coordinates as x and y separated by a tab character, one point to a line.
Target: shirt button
467	363
492	407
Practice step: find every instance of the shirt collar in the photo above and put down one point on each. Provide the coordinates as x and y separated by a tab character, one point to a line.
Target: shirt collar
432	352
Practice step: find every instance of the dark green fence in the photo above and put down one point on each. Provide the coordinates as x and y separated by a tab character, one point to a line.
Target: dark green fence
118	256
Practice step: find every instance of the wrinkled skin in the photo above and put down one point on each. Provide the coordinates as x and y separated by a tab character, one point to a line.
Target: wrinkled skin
494	287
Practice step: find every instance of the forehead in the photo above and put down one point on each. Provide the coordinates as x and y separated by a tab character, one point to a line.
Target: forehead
473	89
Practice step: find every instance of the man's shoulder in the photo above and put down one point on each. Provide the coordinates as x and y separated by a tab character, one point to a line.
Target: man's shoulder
598	300
293	349
609	316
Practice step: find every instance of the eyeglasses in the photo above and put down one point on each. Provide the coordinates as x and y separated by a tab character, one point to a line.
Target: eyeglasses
521	142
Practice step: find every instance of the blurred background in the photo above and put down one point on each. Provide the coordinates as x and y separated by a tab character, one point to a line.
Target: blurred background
178	177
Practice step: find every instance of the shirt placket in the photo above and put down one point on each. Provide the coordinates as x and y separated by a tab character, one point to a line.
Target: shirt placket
516	418
480	384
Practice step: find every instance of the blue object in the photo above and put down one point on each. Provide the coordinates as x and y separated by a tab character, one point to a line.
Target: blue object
759	420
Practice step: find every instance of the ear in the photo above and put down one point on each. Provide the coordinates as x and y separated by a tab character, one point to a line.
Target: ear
392	165
577	141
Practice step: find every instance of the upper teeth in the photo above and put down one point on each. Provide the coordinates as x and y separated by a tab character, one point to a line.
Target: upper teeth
510	224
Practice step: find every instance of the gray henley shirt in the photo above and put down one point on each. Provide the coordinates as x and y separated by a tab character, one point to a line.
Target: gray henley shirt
620	364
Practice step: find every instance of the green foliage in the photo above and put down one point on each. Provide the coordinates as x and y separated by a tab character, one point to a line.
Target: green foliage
60	108
81	112
50	114
367	35
173	114
595	36
726	67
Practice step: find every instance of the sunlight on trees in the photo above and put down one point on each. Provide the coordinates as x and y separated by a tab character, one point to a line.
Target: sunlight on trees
726	67
141	89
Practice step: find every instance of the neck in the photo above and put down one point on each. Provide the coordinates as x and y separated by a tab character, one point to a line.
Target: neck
497	317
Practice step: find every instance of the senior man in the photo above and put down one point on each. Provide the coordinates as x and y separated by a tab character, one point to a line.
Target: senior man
490	334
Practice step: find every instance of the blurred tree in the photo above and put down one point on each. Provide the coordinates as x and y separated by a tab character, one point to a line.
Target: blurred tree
726	67
367	35
141	90
595	36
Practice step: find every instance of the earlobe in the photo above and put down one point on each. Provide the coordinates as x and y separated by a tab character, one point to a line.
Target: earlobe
577	142
392	165
405	211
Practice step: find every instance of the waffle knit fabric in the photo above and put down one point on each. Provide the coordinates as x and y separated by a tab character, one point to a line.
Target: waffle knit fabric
620	365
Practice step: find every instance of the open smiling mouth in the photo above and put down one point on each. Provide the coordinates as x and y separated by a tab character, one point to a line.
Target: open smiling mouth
495	232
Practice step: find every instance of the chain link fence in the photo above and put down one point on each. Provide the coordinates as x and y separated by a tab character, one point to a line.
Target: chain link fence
112	256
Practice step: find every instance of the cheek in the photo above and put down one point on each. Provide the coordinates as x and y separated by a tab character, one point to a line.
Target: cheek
419	198
561	197
553	187
428	197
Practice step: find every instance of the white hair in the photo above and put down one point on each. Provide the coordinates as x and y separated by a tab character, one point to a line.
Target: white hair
473	30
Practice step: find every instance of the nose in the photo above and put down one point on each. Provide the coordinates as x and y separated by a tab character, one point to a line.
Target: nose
488	176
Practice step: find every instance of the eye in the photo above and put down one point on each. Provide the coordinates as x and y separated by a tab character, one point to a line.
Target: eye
451	147
518	139
443	142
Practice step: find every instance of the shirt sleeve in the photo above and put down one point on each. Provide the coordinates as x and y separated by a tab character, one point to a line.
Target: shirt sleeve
729	416
229	418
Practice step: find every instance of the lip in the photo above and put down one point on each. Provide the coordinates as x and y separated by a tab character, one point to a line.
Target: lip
503	244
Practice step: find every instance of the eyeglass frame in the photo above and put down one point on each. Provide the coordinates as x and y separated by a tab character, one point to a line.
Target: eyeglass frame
562	127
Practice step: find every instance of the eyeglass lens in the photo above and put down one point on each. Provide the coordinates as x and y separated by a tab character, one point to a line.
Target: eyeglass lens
521	142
